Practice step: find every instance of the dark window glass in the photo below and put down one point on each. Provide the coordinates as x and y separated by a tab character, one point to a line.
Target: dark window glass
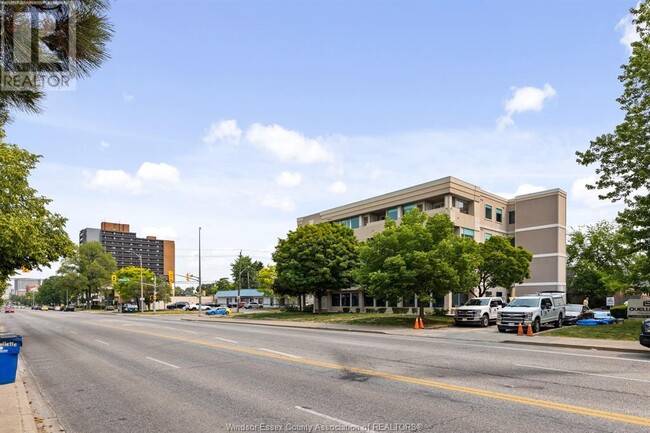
336	299
499	217
488	212
368	301
355	299
511	217
345	299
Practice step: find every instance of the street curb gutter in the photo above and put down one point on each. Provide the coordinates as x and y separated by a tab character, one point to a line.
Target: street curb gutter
578	346
282	325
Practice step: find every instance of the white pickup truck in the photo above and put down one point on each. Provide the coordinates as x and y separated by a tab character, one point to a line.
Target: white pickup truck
534	310
480	311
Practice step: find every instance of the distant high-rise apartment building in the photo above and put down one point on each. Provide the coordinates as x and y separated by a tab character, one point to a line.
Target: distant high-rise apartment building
157	254
536	222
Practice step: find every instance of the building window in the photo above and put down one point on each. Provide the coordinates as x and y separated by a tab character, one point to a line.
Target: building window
345	299
407	208
462	205
488	212
336	299
368	301
355	300
499	217
351	223
466	233
392	213
511	217
488	236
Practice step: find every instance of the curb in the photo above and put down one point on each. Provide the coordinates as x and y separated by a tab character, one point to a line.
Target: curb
282	325
578	346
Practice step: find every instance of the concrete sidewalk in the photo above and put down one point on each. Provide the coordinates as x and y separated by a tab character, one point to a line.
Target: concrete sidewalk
15	410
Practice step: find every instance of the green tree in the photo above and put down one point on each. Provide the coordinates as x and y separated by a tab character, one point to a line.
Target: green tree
92	31
266	278
244	272
30	235
91	269
129	289
622	157
222	285
502	265
421	257
50	292
315	259
599	262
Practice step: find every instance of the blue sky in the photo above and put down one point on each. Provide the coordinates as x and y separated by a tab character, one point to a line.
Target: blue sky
240	116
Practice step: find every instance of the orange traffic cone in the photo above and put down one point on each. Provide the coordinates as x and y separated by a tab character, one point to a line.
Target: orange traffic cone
530	330
417	324
421	323
520	330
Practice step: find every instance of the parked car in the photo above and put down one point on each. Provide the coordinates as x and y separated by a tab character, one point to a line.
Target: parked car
108	308
221	311
480	311
575	312
533	310
250	305
644	337
195	307
597	318
36	307
9	309
129	308
57	308
71	308
45	308
177	305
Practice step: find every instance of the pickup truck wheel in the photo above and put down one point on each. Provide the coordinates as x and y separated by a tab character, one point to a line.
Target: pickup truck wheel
485	321
536	326
558	323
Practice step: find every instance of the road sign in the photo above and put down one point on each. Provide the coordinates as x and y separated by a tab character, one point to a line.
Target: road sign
610	301
638	308
123	280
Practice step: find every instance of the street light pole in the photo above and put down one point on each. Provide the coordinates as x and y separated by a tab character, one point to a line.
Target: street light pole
141	282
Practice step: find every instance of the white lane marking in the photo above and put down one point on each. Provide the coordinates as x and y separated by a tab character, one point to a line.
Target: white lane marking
162	362
226	340
188	332
103	342
581	372
280	353
353	427
72	332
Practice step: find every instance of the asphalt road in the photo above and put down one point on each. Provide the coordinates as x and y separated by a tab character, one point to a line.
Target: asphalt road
112	373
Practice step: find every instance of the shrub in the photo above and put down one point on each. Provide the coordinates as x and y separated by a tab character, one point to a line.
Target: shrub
371	310
381	310
290	308
400	310
619	311
346	309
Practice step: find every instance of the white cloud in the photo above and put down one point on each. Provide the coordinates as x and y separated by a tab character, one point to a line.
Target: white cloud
287	145
113	179
128	98
148	173
104	144
524	99
224	131
165	233
579	192
527	188
288	179
629	31
285	204
338	187
161	172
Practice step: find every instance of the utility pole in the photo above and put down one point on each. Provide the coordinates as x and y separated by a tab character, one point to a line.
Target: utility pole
155	293
200	291
239	280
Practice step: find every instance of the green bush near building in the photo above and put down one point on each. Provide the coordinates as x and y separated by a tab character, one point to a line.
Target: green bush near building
619	311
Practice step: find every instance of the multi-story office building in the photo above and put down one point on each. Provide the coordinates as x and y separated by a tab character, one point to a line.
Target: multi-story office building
157	255
536	222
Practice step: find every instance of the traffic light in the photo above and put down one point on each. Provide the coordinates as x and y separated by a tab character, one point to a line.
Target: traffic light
170	274
113	278
187	276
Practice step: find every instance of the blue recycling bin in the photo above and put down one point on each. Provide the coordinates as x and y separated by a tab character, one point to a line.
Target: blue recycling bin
9	349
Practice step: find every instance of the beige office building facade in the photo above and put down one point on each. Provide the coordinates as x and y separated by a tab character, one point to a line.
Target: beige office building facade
536	222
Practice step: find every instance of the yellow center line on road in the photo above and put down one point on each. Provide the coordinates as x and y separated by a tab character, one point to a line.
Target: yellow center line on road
545	404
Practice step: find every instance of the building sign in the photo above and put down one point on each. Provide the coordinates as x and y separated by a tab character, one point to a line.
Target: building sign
610	301
638	308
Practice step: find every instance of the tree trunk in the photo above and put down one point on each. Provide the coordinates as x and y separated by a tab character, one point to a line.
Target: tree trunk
421	307
319	297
